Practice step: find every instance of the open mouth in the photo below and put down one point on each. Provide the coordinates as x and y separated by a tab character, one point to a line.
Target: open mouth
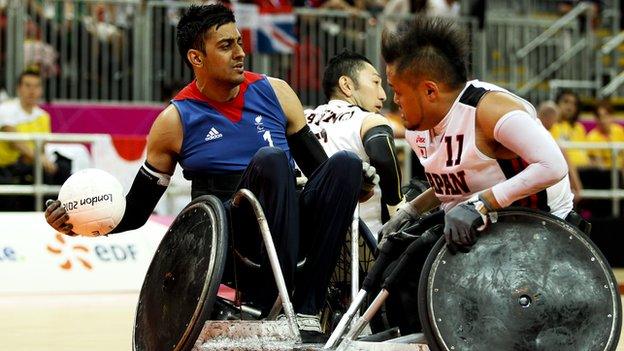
239	68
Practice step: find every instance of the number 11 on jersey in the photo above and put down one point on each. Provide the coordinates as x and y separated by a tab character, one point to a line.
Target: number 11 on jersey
449	149
267	138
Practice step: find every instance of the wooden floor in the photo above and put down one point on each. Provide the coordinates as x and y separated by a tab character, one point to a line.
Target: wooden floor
67	322
78	322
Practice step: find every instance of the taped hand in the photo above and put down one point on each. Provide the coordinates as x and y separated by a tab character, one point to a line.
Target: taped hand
369	181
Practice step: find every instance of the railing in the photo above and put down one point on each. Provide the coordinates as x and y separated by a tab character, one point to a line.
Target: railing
561	51
616	79
85	49
513	8
125	50
13	37
615	193
38	189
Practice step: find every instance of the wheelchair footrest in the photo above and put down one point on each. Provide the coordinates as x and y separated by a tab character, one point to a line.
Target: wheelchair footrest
245	335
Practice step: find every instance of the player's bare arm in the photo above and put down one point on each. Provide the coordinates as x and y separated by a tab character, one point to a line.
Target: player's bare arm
289	101
425	202
373	120
163	145
164	140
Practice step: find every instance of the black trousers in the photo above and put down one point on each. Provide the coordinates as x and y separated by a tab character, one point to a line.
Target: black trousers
311	224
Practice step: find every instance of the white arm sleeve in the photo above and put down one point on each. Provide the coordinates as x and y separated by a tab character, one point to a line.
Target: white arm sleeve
526	137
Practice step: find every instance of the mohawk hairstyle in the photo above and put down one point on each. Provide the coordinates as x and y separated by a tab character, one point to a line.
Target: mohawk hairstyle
194	24
346	63
428	46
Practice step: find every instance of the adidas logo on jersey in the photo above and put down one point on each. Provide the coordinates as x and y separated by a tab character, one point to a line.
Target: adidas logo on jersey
213	134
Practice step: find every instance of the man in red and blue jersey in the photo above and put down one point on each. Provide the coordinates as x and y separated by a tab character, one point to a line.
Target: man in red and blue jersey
232	129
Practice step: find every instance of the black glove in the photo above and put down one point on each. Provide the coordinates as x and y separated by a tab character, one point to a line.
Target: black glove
459	232
403	217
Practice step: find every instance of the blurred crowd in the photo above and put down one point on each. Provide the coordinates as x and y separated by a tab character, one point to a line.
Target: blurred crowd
589	168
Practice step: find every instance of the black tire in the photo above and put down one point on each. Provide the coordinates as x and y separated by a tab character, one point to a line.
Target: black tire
182	281
433	331
423	311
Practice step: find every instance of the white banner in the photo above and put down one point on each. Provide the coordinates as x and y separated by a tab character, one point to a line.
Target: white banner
34	258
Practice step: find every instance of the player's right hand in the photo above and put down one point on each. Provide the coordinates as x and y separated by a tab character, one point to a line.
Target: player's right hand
370	179
57	217
403	217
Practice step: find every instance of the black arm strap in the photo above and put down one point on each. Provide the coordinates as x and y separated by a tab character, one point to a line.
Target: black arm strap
307	150
379	145
148	187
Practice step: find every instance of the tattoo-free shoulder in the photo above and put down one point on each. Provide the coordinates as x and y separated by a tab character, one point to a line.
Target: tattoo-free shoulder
167	132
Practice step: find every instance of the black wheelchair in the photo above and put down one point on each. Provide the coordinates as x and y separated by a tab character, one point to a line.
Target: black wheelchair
532	282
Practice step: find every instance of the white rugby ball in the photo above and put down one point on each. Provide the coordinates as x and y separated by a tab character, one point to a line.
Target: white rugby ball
94	201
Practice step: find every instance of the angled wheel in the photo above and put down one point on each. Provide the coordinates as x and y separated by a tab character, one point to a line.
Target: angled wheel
532	282
181	284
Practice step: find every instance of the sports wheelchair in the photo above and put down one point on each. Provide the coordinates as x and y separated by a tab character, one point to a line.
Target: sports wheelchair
532	282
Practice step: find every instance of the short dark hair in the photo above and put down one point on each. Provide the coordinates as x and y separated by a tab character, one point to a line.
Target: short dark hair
564	92
606	104
431	46
195	22
577	101
346	63
28	72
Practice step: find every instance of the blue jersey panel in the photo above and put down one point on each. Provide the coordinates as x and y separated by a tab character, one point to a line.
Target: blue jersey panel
214	143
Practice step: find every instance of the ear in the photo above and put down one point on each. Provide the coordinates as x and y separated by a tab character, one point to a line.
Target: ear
195	57
431	90
345	84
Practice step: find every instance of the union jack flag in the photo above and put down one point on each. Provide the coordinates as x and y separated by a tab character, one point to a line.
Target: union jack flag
265	31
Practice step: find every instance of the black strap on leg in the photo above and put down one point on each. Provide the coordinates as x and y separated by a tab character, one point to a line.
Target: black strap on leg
576	220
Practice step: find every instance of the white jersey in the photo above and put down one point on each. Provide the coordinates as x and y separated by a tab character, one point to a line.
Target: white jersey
457	170
337	126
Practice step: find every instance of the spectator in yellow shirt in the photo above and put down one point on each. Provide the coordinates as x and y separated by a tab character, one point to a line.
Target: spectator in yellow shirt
23	115
568	128
606	130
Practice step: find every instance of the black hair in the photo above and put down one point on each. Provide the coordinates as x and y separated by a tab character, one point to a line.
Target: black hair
194	24
346	63
577	101
605	104
428	46
564	92
28	72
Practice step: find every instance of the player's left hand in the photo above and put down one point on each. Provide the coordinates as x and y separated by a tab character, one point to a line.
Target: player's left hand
369	181
459	228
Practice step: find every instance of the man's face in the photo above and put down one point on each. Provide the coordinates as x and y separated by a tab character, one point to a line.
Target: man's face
29	90
567	104
369	94
408	98
223	58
